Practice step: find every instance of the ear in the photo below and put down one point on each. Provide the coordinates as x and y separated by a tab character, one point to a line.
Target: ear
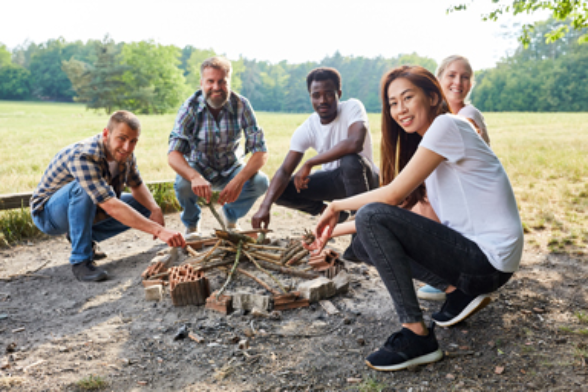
105	133
339	93
434	99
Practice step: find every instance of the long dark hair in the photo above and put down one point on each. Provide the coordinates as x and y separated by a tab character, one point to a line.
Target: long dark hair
398	147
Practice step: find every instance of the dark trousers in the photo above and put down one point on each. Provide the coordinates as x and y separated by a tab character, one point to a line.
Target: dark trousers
403	245
354	176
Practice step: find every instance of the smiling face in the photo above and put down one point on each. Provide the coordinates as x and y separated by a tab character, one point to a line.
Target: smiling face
410	107
120	142
456	83
216	86
324	97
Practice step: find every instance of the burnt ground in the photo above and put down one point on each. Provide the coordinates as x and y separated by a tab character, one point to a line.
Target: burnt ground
533	336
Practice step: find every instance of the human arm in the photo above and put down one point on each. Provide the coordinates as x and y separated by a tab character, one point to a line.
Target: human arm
416	171
352	145
142	194
276	188
233	188
128	216
200	186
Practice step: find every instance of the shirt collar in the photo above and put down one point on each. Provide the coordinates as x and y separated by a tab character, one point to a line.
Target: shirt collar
202	102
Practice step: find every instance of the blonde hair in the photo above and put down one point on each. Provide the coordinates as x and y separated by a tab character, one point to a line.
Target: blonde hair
217	62
451	59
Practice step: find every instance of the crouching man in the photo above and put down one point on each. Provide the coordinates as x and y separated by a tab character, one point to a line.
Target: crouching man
80	194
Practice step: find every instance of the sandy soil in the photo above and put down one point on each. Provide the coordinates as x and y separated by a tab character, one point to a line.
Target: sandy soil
55	331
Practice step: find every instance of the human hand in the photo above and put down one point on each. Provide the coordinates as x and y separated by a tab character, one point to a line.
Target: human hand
201	188
323	230
301	178
231	191
261	219
171	238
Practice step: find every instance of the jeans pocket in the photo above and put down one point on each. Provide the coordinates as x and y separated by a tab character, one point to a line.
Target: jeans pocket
482	284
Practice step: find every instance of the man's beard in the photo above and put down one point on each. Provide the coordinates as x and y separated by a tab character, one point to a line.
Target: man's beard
218	102
111	152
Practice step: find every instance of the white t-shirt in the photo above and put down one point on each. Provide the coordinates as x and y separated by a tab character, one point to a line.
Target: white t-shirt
470	191
470	111
324	137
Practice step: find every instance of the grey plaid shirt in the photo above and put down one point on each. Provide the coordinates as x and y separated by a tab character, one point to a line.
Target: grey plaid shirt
85	162
214	145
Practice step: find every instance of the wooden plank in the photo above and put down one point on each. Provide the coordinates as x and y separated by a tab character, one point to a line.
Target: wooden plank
17	200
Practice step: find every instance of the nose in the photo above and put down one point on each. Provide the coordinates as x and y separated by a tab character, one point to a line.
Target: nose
401	107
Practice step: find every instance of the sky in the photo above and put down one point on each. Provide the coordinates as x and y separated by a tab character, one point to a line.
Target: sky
274	30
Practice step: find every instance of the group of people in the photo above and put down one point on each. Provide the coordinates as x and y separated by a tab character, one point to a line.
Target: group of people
438	209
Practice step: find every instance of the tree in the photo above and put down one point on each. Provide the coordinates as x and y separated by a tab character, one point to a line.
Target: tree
572	13
14	82
99	85
156	84
5	56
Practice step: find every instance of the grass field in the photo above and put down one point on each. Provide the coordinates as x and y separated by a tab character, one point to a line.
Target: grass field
543	153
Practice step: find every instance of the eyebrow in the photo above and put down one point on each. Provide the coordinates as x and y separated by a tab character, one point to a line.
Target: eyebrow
401	94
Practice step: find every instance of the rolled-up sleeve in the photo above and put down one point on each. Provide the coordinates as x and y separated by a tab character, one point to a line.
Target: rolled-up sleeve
88	173
180	137
254	136
134	178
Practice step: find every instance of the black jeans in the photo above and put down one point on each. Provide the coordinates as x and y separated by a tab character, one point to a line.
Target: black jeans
403	245
352	177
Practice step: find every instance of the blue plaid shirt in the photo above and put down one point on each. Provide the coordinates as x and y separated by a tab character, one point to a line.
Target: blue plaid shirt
212	144
85	162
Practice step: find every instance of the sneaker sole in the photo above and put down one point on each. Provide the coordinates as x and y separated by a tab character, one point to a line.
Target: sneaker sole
422	360
431	296
479	303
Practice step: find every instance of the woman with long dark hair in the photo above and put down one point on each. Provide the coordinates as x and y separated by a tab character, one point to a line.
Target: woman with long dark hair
476	246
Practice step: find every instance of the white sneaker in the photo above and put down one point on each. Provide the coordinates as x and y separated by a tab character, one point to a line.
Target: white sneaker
233	226
193	231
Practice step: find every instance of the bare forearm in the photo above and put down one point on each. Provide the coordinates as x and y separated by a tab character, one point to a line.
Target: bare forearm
345	147
255	163
344	229
128	216
277	186
179	164
144	196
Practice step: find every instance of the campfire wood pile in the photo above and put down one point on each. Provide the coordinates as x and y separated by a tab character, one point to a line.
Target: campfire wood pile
235	253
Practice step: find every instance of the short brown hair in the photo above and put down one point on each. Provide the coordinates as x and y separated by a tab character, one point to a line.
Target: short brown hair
123	116
217	62
324	73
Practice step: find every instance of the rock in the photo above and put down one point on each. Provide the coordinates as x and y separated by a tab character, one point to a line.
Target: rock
243	344
255	312
248	301
317	289
154	293
341	281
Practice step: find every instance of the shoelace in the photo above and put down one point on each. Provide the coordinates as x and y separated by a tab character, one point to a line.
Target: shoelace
397	339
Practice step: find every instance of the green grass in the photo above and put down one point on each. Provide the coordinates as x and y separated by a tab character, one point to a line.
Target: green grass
543	153
91	383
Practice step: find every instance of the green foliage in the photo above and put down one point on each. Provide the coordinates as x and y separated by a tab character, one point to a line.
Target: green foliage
92	383
197	57
543	77
155	83
14	82
100	85
5	56
371	385
165	196
574	14
16	225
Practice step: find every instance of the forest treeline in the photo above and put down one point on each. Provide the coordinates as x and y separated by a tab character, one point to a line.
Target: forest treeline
147	77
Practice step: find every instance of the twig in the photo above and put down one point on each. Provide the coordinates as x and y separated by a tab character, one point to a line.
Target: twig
207	256
259	281
288	271
213	264
265	247
291	252
267	255
264	271
191	251
232	271
217	216
297	257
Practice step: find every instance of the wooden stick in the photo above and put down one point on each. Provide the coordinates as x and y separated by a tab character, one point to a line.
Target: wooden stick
259	281
211	265
288	271
192	252
264	271
232	271
265	247
261	257
291	252
267	255
297	257
206	257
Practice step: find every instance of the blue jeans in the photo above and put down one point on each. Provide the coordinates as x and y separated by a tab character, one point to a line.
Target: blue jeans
353	176
252	189
71	210
403	245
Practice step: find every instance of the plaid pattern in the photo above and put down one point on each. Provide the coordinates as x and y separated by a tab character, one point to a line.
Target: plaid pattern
85	162
214	146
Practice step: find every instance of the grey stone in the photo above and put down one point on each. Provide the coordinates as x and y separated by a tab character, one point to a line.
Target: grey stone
248	301
341	281
317	289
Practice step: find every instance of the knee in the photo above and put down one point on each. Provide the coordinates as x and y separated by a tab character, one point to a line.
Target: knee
79	194
352	163
183	188
373	214
260	182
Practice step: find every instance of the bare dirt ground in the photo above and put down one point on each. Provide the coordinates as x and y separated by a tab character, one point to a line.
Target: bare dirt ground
56	331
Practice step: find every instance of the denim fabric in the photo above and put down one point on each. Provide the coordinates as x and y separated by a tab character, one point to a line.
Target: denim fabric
403	245
253	188
71	210
353	176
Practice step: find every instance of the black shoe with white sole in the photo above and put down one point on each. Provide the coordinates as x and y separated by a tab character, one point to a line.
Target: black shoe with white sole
404	349
458	306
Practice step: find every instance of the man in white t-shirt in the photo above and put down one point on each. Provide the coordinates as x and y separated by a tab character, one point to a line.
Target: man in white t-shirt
339	133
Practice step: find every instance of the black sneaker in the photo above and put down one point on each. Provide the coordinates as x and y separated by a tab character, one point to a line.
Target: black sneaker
458	306
87	271
404	349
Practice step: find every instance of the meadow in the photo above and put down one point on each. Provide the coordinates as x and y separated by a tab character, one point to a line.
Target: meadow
543	153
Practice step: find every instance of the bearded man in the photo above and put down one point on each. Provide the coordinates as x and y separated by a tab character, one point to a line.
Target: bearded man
204	148
80	195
